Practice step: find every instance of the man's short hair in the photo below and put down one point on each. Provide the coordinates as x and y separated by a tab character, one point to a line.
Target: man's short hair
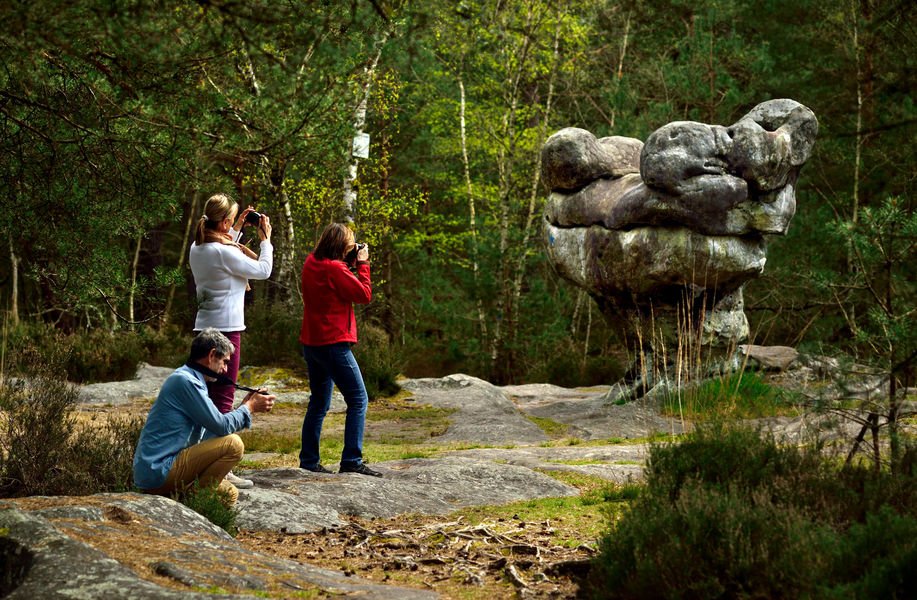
210	339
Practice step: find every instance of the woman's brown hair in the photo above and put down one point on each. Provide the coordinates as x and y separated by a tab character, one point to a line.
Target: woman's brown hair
333	242
217	208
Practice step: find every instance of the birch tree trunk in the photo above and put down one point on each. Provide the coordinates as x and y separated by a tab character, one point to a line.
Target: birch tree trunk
285	274
472	226
349	200
130	306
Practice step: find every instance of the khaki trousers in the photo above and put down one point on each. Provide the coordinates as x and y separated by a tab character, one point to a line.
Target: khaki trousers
208	462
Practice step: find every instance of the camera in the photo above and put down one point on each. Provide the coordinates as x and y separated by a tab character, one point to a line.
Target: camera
253	218
352	255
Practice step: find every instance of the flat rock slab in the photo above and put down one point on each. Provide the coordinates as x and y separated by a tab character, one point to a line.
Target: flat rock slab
149	379
484	414
145	384
589	413
769	357
298	501
621	464
134	546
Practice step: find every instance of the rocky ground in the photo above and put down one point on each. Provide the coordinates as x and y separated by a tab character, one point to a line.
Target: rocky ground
443	521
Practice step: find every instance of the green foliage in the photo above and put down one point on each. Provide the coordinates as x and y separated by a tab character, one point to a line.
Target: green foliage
43	448
729	513
211	503
98	354
380	362
741	394
271	336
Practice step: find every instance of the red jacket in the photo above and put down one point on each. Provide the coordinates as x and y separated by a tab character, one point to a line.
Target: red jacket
329	290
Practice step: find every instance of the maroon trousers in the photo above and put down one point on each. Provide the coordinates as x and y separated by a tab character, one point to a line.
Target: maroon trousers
222	395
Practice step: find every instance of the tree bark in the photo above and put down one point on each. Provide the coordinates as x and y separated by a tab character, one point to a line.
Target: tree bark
192	212
285	273
349	200
472	226
14	276
134	264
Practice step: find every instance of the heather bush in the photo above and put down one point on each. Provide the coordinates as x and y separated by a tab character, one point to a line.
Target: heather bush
730	513
89	356
45	450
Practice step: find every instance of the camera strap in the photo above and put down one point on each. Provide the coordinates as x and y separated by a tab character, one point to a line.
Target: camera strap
220	379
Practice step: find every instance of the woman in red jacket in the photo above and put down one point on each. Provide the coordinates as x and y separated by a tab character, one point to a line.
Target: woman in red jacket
329	328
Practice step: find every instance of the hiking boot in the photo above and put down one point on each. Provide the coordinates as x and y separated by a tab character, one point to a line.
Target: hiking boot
317	469
361	468
242	484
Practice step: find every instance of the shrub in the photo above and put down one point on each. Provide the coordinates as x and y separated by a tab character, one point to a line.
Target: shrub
730	513
43	451
380	362
710	544
36	424
211	503
271	335
97	354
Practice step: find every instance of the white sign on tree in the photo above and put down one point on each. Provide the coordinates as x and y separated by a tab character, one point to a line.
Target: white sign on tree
360	145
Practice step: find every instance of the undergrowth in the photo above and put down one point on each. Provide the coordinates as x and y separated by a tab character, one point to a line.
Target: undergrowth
742	394
211	503
43	448
729	513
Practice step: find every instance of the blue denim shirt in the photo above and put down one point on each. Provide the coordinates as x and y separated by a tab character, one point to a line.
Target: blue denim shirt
178	419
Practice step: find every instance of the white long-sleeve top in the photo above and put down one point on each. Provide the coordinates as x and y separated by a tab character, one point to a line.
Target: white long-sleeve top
221	273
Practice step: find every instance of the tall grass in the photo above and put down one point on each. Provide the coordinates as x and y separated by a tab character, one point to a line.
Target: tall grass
741	394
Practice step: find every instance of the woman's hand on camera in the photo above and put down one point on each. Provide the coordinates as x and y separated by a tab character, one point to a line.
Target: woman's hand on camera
240	220
264	230
363	253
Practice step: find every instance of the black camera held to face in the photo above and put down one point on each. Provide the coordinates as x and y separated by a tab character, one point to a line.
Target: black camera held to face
253	218
351	256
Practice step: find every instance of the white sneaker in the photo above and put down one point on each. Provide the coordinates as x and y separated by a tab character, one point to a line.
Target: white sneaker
242	484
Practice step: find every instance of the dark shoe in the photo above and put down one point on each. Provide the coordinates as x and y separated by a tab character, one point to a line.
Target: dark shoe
361	468
318	469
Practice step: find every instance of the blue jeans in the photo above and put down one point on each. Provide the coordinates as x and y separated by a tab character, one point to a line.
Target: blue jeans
330	365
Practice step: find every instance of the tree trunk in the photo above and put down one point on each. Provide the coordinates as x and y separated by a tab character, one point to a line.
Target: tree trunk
285	274
136	260
14	276
528	226
472	226
502	355
349	200
192	213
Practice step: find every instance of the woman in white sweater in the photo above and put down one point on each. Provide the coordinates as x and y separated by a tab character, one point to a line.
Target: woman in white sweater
221	268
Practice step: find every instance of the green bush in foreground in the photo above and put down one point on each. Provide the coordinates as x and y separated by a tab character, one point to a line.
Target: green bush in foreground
731	514
212	503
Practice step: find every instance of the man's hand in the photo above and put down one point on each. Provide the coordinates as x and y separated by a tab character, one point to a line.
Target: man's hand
259	401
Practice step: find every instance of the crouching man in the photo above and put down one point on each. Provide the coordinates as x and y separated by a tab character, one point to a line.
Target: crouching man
171	452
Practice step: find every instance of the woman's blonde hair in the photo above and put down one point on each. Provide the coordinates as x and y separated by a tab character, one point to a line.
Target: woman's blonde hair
217	208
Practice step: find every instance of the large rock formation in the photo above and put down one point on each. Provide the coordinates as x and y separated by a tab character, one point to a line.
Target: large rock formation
664	235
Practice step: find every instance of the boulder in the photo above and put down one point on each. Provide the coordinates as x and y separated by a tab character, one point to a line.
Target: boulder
136	546
769	357
666	251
